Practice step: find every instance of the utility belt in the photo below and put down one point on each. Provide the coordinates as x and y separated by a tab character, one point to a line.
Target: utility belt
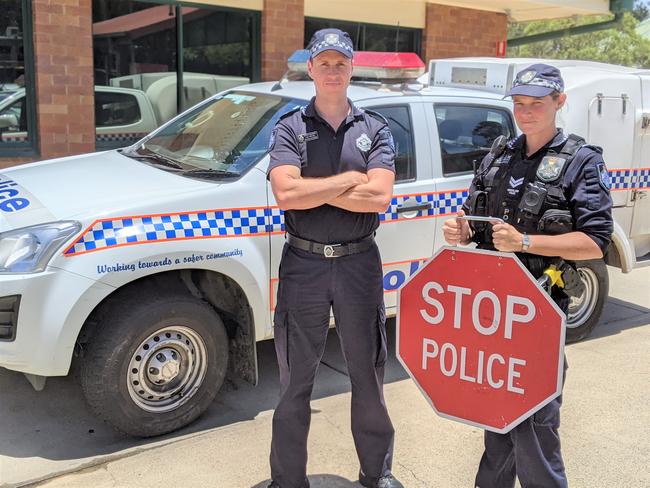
332	250
550	272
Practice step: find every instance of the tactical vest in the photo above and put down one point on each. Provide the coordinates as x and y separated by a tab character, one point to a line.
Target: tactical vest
540	208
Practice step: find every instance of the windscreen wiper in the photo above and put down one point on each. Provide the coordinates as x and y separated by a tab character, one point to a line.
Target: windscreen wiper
154	156
210	173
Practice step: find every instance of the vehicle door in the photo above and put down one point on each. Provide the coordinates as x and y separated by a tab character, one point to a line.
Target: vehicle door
405	236
462	131
641	193
122	117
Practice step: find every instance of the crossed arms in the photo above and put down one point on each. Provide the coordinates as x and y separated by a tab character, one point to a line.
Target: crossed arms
352	190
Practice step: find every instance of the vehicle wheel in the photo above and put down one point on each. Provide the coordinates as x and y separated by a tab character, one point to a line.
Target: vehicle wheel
585	310
155	363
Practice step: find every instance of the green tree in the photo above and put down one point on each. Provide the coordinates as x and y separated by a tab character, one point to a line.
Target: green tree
618	45
641	10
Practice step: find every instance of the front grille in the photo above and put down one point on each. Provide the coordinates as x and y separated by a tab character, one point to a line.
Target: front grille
8	317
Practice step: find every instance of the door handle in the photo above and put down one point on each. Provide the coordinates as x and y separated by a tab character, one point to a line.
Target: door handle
414	207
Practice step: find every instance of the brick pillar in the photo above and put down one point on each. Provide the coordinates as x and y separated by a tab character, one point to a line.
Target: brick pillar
454	31
63	48
283	31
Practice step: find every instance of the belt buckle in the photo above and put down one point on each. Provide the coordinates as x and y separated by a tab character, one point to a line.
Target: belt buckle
328	250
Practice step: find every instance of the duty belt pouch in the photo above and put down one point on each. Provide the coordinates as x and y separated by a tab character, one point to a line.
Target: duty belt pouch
555	221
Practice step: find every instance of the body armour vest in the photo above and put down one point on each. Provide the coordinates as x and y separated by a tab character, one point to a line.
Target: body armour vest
527	196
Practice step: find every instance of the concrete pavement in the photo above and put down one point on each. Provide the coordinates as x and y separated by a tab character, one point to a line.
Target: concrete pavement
605	424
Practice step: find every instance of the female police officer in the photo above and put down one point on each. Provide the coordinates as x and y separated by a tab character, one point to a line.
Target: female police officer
552	192
331	170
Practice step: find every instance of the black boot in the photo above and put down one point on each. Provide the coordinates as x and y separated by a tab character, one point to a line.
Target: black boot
388	481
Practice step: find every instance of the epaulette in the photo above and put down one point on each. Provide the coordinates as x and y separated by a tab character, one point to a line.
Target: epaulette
593	147
376	115
514	142
290	112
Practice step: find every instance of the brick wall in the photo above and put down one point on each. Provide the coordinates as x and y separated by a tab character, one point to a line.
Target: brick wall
7	162
64	78
454	31
283	31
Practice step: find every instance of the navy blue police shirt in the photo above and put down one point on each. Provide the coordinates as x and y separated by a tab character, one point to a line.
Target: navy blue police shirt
302	138
585	185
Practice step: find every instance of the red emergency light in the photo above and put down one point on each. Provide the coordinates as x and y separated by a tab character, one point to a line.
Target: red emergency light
375	65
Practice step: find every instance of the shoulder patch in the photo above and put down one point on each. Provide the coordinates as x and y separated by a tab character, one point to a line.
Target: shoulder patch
386	136
376	115
272	139
603	176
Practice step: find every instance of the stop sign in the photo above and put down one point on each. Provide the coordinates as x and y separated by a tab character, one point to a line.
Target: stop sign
480	338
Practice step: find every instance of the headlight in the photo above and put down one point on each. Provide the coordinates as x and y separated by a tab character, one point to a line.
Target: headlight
28	250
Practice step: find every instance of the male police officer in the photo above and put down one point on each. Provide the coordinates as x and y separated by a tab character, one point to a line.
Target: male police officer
552	192
331	170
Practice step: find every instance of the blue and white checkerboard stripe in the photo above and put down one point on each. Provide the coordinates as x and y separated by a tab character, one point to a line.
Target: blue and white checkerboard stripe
620	180
642	178
206	224
105	234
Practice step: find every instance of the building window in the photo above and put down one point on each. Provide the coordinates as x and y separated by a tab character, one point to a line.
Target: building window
370	37
136	46
466	134
17	115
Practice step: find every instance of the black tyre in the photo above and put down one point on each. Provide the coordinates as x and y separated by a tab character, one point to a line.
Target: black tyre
155	363
584	311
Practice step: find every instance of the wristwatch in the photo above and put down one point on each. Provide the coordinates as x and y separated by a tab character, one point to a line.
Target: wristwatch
525	242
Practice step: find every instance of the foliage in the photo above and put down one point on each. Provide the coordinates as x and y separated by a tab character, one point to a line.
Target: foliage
618	45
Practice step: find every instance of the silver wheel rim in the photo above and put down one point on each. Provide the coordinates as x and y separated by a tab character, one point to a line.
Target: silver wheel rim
581	308
167	369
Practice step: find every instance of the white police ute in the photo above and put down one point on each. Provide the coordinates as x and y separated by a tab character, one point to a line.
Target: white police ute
154	268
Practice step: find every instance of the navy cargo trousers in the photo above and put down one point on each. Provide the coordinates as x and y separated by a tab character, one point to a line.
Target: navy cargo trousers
310	286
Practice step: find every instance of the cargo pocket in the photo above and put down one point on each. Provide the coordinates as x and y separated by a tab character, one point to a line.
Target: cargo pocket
382	346
281	337
555	221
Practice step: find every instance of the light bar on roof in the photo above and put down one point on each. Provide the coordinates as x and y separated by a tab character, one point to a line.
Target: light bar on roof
371	64
492	76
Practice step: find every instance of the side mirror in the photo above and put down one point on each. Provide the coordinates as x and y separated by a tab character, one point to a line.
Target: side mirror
8	120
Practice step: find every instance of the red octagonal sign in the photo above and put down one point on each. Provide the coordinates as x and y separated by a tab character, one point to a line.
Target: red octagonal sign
480	338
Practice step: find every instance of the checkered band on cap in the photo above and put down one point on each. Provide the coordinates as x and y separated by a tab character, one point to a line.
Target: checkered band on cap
537	81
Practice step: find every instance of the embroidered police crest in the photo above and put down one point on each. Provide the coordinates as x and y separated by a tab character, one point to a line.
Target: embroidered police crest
603	179
528	76
364	142
550	168
332	38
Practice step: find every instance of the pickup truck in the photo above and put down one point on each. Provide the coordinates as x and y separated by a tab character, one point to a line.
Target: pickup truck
154	268
127	110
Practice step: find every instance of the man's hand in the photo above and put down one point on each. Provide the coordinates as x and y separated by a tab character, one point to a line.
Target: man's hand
353	178
292	191
506	238
456	231
371	195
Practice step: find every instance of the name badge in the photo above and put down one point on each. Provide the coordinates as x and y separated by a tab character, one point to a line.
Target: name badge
309	136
